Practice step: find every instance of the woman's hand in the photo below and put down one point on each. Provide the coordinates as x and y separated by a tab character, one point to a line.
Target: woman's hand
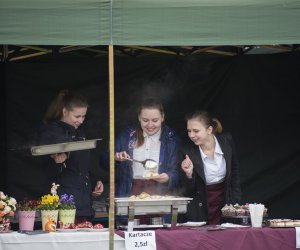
59	158
187	166
121	156
98	190
162	178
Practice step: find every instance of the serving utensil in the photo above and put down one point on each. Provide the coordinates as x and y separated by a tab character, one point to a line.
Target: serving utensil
147	164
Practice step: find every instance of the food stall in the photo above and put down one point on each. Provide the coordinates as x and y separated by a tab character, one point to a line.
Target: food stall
150	24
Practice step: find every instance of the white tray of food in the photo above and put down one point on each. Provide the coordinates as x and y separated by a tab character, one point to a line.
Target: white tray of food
152	204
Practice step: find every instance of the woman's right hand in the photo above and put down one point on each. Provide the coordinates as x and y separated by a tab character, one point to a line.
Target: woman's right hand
59	158
187	166
121	156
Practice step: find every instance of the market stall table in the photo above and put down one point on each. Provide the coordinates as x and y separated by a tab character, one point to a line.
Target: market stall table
59	241
227	239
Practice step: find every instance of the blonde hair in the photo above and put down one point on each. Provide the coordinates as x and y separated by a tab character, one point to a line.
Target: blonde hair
205	118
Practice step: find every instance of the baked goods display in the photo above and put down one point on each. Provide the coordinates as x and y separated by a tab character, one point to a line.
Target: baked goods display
84	224
238	210
283	223
145	195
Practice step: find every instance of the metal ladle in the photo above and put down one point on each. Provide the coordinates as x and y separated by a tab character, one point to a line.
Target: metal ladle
147	164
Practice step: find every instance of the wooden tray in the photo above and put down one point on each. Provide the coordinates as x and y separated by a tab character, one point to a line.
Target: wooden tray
283	223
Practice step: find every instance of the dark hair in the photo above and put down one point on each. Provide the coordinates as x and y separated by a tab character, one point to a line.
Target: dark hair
65	99
205	118
149	103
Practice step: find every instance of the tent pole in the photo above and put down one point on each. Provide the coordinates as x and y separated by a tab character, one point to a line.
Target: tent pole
111	149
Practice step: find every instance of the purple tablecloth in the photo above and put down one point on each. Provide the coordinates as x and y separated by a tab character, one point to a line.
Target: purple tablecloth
228	239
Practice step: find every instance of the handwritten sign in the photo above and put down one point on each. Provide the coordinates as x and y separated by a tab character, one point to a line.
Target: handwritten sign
140	240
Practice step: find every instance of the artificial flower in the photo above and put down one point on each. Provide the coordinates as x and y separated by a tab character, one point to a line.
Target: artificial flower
49	202
7	206
67	202
28	205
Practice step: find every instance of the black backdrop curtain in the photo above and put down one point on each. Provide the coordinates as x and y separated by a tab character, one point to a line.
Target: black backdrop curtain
256	97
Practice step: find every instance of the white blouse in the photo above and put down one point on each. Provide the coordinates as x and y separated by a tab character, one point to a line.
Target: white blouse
214	169
149	150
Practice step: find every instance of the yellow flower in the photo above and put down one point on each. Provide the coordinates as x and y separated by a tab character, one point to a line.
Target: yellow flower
49	202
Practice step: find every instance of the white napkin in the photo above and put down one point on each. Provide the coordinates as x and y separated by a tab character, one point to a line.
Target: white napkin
297	237
192	224
256	214
231	225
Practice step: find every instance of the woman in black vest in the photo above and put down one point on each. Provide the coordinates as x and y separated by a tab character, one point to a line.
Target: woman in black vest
70	170
210	168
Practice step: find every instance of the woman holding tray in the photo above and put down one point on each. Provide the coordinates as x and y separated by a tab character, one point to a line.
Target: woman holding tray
70	170
210	168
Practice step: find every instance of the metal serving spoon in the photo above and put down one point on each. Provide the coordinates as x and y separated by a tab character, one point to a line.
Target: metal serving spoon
147	164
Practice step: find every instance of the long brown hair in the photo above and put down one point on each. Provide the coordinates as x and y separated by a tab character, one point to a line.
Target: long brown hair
65	99
150	103
205	118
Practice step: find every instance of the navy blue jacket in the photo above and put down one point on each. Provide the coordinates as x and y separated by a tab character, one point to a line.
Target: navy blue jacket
168	160
74	178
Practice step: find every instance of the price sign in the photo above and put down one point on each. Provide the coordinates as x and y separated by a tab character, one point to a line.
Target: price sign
140	240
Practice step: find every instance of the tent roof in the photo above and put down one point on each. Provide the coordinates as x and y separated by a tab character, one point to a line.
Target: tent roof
144	22
11	53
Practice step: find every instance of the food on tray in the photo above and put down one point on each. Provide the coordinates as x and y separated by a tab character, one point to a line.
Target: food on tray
151	175
5	225
283	223
238	210
85	224
156	196
98	226
228	210
144	195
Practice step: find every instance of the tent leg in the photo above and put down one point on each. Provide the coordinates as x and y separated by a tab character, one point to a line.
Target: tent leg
111	149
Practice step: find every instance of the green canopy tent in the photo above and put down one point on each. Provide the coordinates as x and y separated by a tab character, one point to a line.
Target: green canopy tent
148	23
156	22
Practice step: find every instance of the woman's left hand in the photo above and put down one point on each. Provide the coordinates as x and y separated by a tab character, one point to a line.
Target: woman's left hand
59	157
162	178
98	190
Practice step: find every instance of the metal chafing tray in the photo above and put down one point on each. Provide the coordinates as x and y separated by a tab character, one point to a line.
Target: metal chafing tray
64	147
151	206
163	205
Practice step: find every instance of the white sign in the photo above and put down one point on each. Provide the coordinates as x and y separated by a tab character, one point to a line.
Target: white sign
140	240
297	237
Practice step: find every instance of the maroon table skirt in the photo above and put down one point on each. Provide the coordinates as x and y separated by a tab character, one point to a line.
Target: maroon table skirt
228	239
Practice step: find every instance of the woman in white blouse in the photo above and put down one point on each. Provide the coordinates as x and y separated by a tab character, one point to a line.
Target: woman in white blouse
210	168
152	139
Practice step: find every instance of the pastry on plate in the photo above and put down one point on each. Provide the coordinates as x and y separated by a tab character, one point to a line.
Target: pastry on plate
144	195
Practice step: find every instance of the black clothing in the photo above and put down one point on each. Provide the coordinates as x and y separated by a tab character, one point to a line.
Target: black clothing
73	175
196	186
